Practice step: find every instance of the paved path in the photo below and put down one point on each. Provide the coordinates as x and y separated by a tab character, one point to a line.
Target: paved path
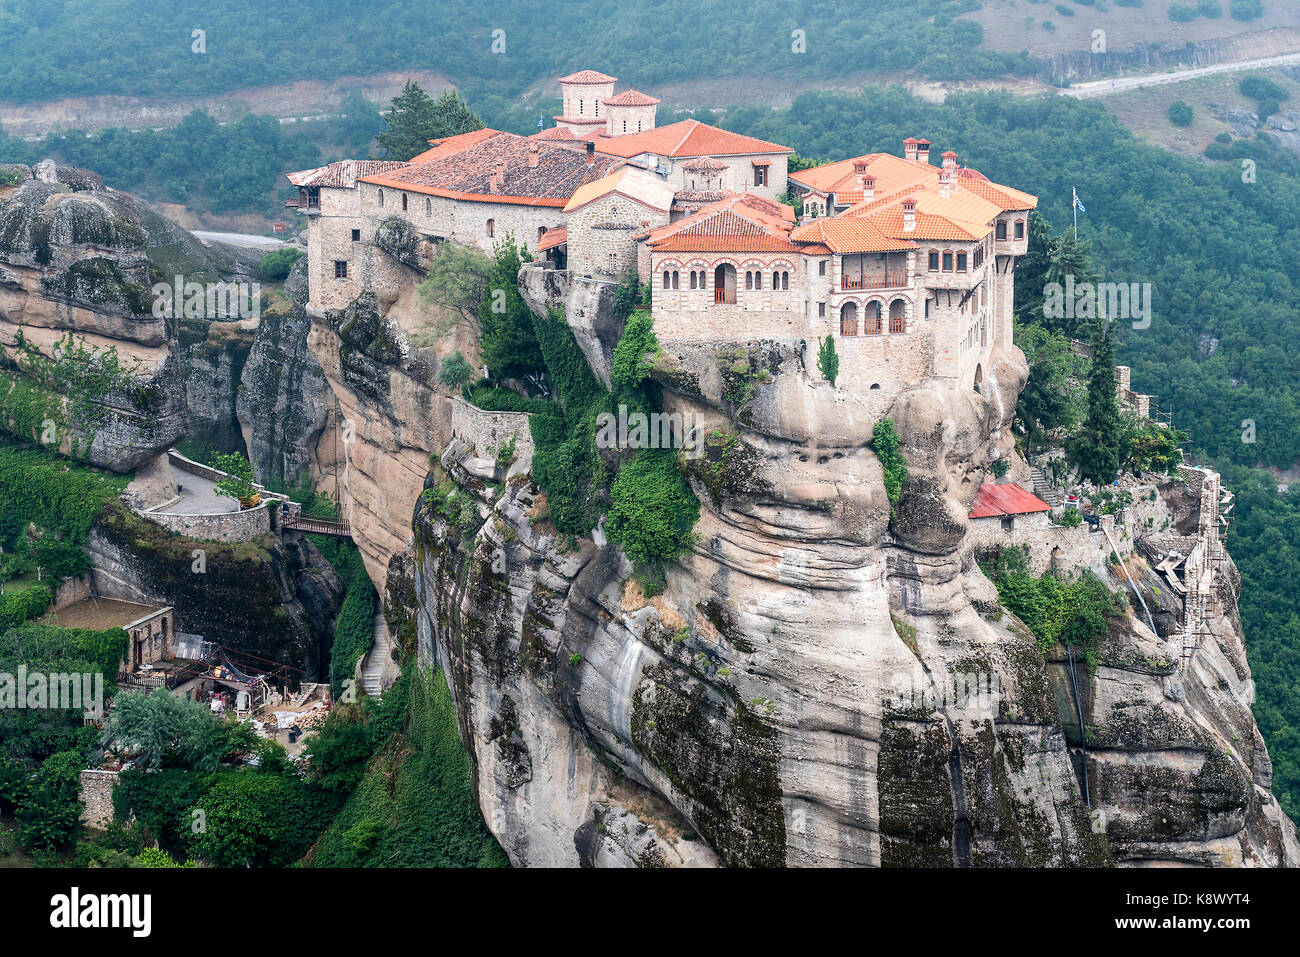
240	239
199	497
1120	84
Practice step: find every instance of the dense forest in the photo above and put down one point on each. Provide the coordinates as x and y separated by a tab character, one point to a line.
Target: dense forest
55	48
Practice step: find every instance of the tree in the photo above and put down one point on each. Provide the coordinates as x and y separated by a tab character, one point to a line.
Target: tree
1069	267
238	482
50	811
1180	114
277	265
828	361
455	371
416	118
161	730
1048	401
456	280
509	340
1095	451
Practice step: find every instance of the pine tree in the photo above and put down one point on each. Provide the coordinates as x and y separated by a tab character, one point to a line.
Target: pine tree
828	360
1095	451
417	118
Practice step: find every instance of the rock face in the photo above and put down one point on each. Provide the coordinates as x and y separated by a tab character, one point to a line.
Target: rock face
73	261
272	598
287	411
827	679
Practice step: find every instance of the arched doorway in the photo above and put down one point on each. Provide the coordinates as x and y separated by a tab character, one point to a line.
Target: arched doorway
871	318
849	319
898	316
979	377
724	283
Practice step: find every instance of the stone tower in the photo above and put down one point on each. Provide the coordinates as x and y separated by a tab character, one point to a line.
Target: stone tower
583	93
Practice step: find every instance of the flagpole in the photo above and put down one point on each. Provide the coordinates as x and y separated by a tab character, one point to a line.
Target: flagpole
1074	205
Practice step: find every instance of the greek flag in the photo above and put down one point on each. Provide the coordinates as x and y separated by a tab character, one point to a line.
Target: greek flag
1078	203
539	121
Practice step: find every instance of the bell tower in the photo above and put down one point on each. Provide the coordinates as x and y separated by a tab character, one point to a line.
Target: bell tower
584	93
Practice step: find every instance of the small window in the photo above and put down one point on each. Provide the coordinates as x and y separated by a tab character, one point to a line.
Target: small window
356	235
340	269
638	126
1002	229
428	206
927	308
1008	523
785	281
947	262
693	275
821	310
491	228
676	279
961	262
381	197
1020	229
625	126
934	262
760	175
403	202
821	268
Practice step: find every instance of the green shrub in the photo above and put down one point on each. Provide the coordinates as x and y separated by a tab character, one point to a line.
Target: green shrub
884	442
652	510
276	266
1180	114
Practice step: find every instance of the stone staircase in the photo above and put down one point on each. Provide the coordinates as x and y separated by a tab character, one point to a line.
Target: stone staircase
372	668
1052	496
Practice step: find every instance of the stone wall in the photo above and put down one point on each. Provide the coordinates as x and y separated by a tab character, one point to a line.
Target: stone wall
96	797
488	431
600	235
240	526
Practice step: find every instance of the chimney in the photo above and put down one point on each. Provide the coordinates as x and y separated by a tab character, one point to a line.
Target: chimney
909	215
534	152
909	149
868	188
948	175
860	170
498	178
923	152
591	153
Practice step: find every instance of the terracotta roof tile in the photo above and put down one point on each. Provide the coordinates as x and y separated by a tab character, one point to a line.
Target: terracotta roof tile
588	76
741	223
630	98
994	501
687	138
450	145
465	173
343	173
552	238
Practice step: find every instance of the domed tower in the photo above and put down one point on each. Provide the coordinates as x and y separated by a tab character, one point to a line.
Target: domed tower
630	112
583	93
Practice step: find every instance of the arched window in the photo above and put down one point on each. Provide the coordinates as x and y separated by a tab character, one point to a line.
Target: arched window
849	319
898	316
785	280
403	202
541	231
668	279
749	279
491	228
871	318
676	279
428	206
381	197
724	283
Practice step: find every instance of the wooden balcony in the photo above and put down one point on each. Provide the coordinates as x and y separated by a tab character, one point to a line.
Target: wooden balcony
891	280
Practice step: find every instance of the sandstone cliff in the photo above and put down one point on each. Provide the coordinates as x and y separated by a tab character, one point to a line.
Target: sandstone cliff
799	693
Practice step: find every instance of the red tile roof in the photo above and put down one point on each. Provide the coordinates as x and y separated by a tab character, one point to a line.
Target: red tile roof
995	501
588	76
465	173
343	173
741	223
630	98
555	134
450	145
687	138
849	235
552	238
